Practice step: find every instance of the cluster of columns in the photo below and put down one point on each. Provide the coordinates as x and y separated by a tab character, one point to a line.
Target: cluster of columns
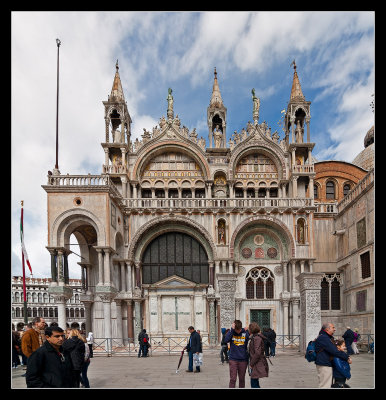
290	296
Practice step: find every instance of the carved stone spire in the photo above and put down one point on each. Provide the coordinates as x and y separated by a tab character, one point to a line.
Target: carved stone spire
216	100
117	91
296	91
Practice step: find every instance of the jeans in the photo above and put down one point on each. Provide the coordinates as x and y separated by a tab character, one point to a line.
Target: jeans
224	353
83	375
143	350
237	368
190	366
349	348
273	347
255	383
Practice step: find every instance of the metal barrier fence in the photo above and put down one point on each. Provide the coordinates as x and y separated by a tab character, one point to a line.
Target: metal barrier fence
174	345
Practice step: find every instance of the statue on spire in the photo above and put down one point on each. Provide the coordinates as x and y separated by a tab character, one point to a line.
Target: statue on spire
170	100
256	106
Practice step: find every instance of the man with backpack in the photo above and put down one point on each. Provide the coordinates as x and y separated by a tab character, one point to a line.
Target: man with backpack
326	350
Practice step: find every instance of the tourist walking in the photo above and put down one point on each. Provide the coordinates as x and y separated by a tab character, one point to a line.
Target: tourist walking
74	345
15	349
90	342
143	339
193	347
84	382
238	356
34	338
258	365
267	343
348	337
357	337
326	349
224	347
50	365
272	340
340	368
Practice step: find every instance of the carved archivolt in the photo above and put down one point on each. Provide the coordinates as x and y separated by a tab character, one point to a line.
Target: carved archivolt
160	225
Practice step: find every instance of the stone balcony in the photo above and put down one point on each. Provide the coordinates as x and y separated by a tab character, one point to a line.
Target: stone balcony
303	169
226	204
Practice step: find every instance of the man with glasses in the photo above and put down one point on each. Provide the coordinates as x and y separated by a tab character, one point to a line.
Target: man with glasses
326	350
49	366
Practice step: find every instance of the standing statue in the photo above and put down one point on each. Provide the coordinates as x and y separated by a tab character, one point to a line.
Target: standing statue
170	100
256	106
217	135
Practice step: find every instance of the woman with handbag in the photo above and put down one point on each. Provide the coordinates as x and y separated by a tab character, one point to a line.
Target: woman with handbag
257	363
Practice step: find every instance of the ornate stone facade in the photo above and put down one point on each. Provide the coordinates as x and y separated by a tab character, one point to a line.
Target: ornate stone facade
172	230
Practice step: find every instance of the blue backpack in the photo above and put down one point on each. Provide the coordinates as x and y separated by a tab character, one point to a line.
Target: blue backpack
310	355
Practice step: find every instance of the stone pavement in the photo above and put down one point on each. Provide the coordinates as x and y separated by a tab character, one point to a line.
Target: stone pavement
289	370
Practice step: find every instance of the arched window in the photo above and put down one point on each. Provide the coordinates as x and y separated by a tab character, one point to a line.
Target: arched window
325	295
51	312
17	312
71	313
34	312
346	189
330	190
67	313
82	313
335	294
39	297
45	312
17	299
45	297
316	192
175	253
260	284
76	312
34	297
56	312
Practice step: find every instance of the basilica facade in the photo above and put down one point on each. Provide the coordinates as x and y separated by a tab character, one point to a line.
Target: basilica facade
174	233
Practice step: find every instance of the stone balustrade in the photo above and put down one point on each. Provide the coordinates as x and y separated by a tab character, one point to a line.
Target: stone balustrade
362	185
226	203
303	169
329	208
78	180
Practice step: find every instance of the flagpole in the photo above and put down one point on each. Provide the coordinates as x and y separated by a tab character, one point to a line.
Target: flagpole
57	104
24	288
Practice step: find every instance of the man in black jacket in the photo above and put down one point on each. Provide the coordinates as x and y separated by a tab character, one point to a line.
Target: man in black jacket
326	350
50	366
348	337
193	347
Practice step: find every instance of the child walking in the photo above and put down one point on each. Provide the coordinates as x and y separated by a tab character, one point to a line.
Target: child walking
340	368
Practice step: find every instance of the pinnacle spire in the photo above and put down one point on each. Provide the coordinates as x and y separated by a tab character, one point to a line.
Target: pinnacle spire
117	91
296	91
216	99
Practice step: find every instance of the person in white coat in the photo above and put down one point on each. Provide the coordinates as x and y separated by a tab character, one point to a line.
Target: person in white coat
90	342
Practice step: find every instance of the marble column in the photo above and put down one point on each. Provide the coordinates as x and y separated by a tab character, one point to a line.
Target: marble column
120	335
128	277
212	322
295	316
310	314
123	276
211	274
285	303
130	330
106	299
137	319
107	267
100	266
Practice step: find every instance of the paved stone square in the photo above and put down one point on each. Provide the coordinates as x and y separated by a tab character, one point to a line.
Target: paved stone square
289	370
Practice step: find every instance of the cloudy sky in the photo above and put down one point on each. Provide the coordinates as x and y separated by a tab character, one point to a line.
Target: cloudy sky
334	53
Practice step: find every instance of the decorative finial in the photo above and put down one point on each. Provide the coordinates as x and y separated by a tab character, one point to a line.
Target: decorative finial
215	73
293	62
116	65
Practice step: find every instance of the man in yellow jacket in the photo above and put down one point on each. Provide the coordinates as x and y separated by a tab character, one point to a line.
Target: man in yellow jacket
33	338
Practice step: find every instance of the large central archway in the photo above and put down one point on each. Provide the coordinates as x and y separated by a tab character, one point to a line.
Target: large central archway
175	253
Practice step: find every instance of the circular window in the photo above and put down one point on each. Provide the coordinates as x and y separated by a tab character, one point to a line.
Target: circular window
77	201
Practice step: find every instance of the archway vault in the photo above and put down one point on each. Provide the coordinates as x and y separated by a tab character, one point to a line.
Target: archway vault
279	230
158	226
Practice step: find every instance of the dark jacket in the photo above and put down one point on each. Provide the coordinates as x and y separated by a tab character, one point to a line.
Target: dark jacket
340	369
75	347
348	336
194	343
45	368
326	349
257	360
238	345
271	335
223	331
142	335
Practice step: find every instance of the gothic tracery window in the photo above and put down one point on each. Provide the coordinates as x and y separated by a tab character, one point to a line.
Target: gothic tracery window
330	190
330	292
260	284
